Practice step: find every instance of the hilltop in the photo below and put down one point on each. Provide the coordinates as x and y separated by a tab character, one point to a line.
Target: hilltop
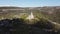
13	19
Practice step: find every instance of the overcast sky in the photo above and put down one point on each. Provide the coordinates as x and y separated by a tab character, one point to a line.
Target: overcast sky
29	3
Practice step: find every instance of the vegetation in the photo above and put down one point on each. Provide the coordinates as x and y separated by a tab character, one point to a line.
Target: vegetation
19	26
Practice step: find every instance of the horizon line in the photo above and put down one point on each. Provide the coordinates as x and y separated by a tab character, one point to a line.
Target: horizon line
23	6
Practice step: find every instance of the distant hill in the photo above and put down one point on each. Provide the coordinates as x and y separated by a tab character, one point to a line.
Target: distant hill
11	7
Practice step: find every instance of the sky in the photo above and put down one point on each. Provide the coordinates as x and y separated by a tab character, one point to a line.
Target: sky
30	3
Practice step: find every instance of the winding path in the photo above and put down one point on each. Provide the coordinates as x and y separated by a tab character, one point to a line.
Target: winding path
54	22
